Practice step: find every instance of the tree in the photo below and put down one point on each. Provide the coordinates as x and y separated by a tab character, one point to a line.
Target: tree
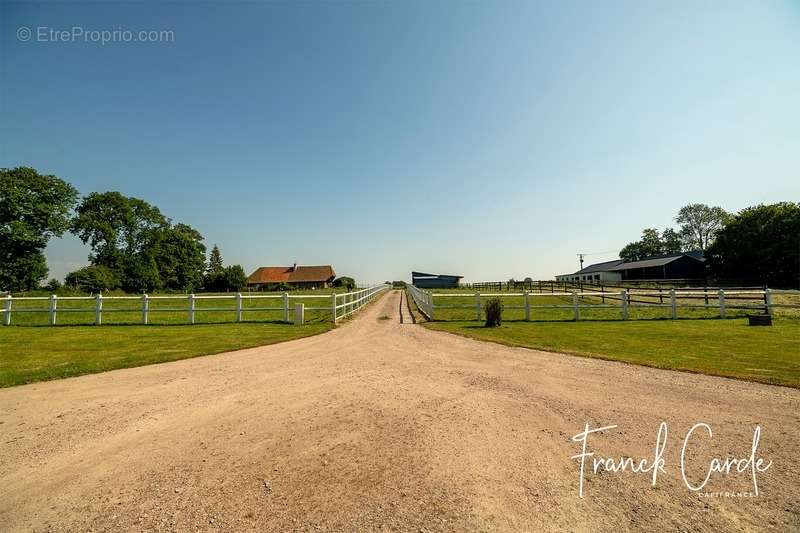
93	279
180	257
760	244
117	228
671	242
650	244
235	278
214	279
33	208
699	224
346	282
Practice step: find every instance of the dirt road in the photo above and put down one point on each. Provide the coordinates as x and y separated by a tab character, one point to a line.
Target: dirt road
382	425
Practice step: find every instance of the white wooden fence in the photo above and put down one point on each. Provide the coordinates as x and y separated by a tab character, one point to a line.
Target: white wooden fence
425	301
340	306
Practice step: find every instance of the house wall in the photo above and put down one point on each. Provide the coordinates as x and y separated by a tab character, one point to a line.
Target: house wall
593	277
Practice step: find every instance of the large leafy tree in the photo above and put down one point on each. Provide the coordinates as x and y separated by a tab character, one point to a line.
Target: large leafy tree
760	244
652	243
116	227
180	256
699	224
33	208
235	278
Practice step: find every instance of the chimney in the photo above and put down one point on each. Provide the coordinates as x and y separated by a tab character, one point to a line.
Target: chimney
294	266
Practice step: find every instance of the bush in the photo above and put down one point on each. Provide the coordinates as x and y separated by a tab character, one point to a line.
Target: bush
93	279
345	282
494	312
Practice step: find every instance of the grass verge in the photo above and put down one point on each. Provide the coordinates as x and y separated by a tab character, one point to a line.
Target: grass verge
727	348
29	354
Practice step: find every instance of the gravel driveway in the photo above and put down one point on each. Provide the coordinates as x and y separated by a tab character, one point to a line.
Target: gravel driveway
383	425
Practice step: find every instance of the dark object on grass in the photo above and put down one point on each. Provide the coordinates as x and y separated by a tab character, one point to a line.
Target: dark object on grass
759	320
494	312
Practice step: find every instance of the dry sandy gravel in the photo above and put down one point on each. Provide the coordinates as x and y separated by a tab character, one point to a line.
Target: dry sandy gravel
381	425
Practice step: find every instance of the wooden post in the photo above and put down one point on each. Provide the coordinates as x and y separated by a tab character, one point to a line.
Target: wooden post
602	294
623	298
238	307
299	314
721	303
527	306
576	314
286	307
673	303
768	299
430	305
478	306
333	307
191	308
53	307
145	308
98	309
7	311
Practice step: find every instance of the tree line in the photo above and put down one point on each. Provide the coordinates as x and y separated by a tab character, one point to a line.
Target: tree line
134	247
759	244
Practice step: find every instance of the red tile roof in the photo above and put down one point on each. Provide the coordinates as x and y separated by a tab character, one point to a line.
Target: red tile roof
298	274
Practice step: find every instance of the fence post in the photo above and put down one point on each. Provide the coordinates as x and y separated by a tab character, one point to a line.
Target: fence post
768	300
623	298
430	305
191	308
7	312
53	306
98	309
299	314
527	306
238	307
333	307
145	308
721	303
673	303
576	314
478	306
286	307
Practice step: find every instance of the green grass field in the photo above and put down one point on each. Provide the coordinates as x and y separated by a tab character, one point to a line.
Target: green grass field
699	342
728	348
29	354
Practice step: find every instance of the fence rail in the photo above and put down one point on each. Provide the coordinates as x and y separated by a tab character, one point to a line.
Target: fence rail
340	304
720	299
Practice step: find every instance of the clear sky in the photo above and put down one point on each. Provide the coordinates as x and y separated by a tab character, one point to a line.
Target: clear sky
488	139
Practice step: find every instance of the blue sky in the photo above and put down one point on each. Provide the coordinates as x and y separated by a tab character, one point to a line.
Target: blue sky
488	139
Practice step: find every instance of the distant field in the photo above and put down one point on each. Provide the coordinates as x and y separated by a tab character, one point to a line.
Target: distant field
29	354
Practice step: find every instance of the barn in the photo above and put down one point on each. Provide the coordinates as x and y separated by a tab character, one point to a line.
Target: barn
295	276
688	265
682	265
435	281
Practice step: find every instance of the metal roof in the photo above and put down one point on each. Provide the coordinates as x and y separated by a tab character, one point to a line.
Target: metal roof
600	267
654	261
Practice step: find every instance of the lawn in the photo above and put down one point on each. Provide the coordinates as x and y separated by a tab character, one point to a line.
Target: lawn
29	354
727	347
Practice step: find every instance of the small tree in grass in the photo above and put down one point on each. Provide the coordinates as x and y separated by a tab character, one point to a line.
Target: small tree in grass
494	312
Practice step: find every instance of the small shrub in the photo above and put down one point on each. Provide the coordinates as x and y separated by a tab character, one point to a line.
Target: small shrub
494	312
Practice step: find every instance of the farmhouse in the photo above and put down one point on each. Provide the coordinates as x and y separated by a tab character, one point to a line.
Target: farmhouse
299	277
682	265
434	281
